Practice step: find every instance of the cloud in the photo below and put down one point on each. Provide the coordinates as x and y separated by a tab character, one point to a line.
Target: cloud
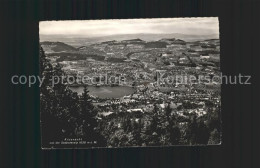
89	28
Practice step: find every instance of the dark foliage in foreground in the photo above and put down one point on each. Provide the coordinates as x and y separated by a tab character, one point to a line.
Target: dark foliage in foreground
63	113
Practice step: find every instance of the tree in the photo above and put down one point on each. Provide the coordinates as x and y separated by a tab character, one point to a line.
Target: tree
127	126
173	131
45	68
214	137
59	80
137	134
175	135
63	113
154	139
87	114
168	111
202	134
214	120
51	125
192	130
197	132
154	124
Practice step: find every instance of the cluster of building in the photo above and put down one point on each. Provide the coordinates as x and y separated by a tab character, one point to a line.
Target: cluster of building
141	64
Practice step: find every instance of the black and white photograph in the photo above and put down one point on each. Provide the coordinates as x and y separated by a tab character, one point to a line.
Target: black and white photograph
130	83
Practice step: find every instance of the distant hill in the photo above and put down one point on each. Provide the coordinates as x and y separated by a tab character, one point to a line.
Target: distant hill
133	40
156	44
154	37
81	41
56	47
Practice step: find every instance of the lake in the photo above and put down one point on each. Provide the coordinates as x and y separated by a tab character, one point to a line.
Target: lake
105	91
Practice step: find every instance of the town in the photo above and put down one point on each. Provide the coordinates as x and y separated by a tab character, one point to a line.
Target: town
137	91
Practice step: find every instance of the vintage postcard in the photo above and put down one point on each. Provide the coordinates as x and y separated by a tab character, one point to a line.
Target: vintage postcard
130	82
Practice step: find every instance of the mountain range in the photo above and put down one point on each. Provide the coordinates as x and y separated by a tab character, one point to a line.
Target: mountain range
77	40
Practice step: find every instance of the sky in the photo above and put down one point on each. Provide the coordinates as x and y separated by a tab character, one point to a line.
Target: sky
96	28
